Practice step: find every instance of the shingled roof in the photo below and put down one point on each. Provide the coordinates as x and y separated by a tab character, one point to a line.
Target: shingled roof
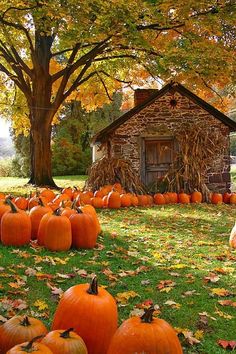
101	136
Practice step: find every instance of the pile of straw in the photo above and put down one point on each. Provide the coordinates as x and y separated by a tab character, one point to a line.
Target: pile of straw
112	170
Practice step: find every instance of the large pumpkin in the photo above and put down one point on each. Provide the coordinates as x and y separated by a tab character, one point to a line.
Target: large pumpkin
145	335
30	347
19	329
84	231
65	342
92	312
57	236
15	227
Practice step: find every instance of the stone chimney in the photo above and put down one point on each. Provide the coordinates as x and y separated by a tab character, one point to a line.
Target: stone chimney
141	95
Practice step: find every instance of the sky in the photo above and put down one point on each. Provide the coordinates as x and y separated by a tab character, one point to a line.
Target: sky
4	129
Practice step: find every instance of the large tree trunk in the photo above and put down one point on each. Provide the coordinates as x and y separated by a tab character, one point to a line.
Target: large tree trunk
40	154
41	115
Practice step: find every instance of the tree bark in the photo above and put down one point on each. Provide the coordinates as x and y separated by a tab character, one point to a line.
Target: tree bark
40	155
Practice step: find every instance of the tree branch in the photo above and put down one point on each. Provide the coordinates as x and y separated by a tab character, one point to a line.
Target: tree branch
105	88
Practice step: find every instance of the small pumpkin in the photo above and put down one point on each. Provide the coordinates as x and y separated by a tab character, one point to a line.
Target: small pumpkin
19	329
97	202
21	203
92	312
30	347
145	335
196	197
15	227
183	198
226	197
232	199
125	199
65	342
216	198
159	199
48	194
113	200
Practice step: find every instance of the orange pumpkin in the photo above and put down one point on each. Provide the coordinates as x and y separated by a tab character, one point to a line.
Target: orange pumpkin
65	342
89	209
97	202
125	200
19	329
92	312
15	227
142	199
117	187
232	199
226	197
99	193
145	335
134	200
183	198
216	198
173	197
84	231
36	214
68	191
30	347
42	228
159	199
21	203
58	236
47	193
113	200
4	206
196	197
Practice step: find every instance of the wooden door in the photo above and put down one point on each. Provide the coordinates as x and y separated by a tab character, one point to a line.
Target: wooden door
158	157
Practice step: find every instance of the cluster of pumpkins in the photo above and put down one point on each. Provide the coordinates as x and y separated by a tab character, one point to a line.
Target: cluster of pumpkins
86	322
57	228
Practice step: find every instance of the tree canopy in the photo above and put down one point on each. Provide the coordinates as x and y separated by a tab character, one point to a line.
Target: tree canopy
57	50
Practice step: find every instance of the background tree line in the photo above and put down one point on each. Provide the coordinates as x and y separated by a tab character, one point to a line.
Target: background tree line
71	137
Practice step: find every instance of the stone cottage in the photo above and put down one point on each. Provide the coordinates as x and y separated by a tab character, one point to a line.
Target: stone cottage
146	135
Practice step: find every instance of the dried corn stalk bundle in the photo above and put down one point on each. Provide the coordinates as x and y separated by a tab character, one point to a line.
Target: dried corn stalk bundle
111	170
198	147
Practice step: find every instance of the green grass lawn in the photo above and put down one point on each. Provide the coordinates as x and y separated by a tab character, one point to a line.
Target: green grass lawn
176	256
18	186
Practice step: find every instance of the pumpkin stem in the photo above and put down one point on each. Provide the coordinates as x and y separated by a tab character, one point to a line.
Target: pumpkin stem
28	346
73	205
79	211
12	205
62	204
25	322
66	334
93	288
41	202
147	317
57	212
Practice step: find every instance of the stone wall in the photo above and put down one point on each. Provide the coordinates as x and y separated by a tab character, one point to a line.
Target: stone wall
160	119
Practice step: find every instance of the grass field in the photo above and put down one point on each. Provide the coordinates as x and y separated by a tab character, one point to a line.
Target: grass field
175	256
18	186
